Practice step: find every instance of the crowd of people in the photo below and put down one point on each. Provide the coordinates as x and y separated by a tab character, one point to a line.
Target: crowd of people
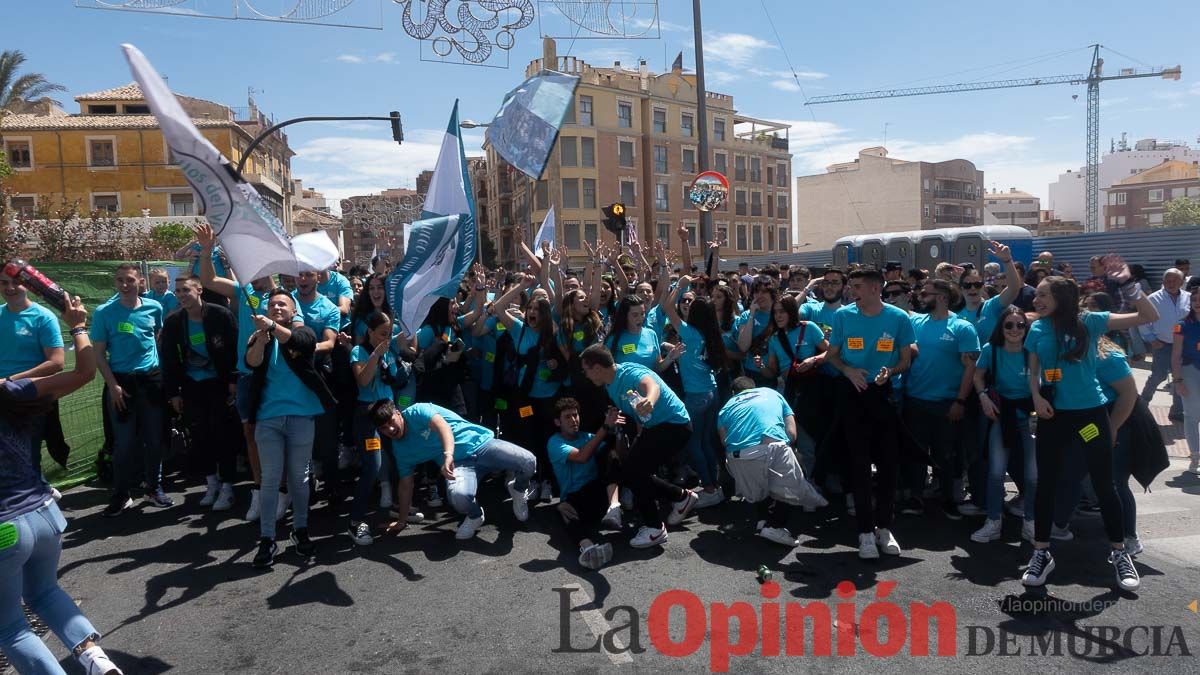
626	393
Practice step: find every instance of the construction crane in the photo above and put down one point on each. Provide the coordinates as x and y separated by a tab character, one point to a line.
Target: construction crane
1092	79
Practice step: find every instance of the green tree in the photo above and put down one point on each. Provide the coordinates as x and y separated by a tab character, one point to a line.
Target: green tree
170	237
18	93
1182	211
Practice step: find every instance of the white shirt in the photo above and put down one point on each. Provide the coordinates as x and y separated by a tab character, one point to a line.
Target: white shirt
1170	311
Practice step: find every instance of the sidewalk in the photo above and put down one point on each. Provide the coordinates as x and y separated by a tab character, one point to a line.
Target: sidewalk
1160	405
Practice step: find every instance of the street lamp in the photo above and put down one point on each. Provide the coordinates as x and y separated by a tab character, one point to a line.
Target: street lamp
472	124
393	117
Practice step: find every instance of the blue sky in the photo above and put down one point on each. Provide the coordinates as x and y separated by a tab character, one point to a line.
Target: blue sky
1019	137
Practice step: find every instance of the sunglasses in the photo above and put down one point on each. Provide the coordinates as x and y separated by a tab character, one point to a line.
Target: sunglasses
893	294
1015	325
686	301
973	284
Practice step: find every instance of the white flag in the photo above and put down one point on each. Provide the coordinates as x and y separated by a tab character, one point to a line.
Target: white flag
253	238
545	233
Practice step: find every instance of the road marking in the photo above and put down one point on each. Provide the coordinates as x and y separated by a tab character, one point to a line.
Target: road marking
599	627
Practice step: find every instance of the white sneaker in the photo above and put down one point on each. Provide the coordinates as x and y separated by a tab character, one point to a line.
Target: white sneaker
252	512
1061	533
1194	466
285	500
1015	506
706	499
596	556
534	491
1127	575
612	519
1040	567
210	495
681	508
520	501
1133	546
625	497
360	534
385	494
55	494
469	527
989	532
868	549
547	491
96	662
779	535
224	500
649	536
886	541
1027	530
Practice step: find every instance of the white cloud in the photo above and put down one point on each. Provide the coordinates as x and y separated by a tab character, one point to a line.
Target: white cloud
738	49
386	57
786	85
719	77
1058	118
1108	102
349	58
787	74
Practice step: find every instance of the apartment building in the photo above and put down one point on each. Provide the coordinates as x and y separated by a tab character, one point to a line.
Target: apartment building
1012	208
1140	201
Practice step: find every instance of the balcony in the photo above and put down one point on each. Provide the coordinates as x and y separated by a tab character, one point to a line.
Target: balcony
954	194
954	219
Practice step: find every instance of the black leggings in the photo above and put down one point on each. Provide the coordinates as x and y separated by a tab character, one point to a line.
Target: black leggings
1087	431
213	426
654	447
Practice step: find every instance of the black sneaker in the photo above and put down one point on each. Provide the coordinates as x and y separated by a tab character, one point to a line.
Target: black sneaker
912	507
950	510
117	506
157	497
303	545
1040	567
266	553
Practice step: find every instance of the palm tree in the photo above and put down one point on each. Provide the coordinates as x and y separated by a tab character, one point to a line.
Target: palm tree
18	93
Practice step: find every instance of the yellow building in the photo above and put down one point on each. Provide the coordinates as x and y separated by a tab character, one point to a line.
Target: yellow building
110	156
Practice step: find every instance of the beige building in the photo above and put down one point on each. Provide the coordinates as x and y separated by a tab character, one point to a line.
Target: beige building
877	193
631	137
1012	208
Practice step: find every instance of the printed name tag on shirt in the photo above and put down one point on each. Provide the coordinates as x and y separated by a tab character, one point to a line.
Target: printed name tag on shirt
578	335
544	374
884	345
501	404
500	328
854	343
525	411
1089	433
125	327
197	338
373	444
631	348
8	536
403	401
1052	374
490	357
1178	329
253	301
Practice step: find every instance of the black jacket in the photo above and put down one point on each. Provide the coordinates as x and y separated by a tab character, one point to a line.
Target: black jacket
298	354
220	339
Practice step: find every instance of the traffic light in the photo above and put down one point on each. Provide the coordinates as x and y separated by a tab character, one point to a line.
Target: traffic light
397	127
614	218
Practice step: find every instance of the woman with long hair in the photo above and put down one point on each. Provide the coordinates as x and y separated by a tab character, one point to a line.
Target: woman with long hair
703	354
31	525
1002	384
796	352
579	328
1185	372
373	298
754	328
631	340
375	372
1071	411
983	313
442	368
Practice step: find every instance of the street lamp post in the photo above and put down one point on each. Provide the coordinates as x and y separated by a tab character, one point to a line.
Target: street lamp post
706	222
393	117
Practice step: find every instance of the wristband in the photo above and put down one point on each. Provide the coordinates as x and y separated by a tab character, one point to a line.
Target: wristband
79	330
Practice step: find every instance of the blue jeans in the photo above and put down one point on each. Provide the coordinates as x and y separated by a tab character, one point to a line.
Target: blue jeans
284	442
1160	368
372	448
495	455
137	435
29	570
998	466
702	447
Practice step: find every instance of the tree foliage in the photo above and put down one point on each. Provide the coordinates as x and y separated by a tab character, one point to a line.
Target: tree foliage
1182	211
19	93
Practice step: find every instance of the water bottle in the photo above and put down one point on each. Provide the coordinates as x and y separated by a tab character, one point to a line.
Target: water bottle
633	398
39	283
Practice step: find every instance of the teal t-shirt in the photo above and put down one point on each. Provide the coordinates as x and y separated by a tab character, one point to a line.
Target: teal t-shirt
526	339
336	288
938	368
250	303
571	475
422	444
694	370
199	367
24	336
1109	369
168	300
753	415
284	394
985	318
320	314
761	321
218	264
871	342
1012	371
668	410
803	348
378	388
656	320
642	348
129	335
484	365
1077	385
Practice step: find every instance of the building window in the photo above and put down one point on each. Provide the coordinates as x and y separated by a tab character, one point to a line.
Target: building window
109	203
662	201
719	129
741	237
926	210
770	175
629	193
585	110
692	235
689	160
663	231
101	152
687	189
571	235
625	115
589	193
756	203
740	203
23	206
721	163
570	193
1156	195
182	204
685	124
569	118
781	174
102	110
1178	192
587	151
739	168
755	170
756	238
625	154
568	151
1121	197
723	233
20	153
927	185
541	196
770	205
1155	219
783	239
660	121
591	233
660	159
770	238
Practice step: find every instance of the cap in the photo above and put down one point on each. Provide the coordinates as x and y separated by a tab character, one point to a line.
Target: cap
892	266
